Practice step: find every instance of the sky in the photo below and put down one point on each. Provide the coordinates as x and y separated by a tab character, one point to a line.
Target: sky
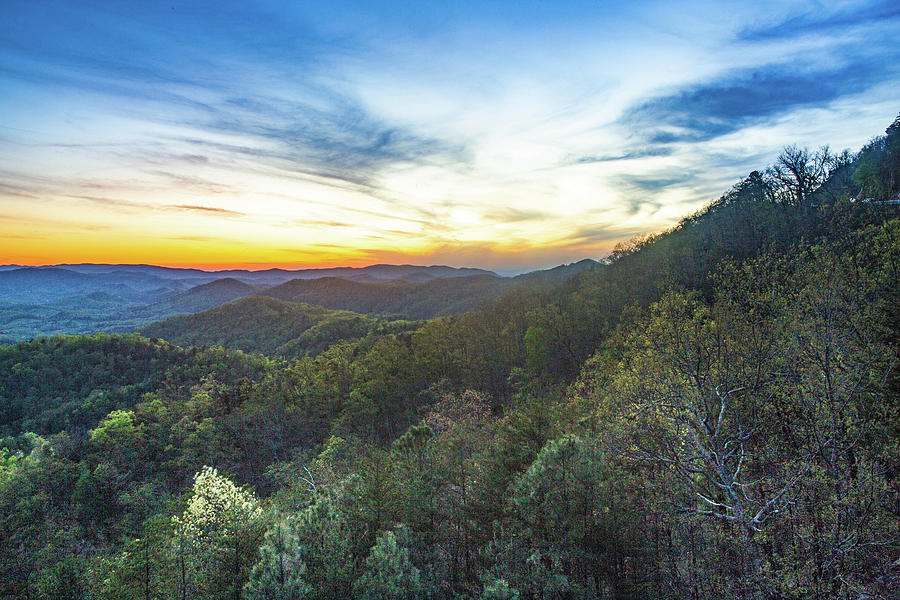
506	135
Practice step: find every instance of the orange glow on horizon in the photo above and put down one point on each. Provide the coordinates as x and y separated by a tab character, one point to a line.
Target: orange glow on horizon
217	255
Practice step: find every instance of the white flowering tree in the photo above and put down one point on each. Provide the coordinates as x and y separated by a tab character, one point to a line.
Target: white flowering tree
219	534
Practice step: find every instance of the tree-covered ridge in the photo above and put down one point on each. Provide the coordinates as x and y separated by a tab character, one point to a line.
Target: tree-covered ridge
199	298
272	327
414	299
712	413
419	300
90	298
68	383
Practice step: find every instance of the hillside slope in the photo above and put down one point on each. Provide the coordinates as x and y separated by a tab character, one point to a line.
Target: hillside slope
37	301
423	300
269	326
66	383
711	413
199	298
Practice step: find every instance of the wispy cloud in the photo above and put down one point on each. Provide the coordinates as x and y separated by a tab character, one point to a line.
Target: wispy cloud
821	20
207	210
193	182
634	154
511	214
342	141
653	183
322	222
202	239
110	202
372	132
22	191
19	236
702	111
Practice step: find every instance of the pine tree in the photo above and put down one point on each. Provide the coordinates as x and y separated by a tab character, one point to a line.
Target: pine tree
389	573
279	574
499	589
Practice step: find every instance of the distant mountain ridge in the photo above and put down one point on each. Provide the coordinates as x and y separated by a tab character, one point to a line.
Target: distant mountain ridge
201	297
273	276
417	300
560	272
86	298
305	316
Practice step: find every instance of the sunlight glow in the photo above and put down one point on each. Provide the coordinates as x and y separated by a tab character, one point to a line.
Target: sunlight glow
463	137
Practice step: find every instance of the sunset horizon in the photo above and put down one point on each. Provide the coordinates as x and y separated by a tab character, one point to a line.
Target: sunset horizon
470	300
289	267
507	136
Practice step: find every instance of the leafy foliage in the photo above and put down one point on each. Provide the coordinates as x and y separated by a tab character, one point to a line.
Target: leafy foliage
279	573
711	413
268	326
389	574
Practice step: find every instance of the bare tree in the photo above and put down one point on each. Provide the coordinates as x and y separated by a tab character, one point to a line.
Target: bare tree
799	173
701	385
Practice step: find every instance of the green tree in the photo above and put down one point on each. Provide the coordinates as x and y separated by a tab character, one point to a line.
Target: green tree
222	524
499	589
279	573
141	570
567	535
877	172
327	540
389	573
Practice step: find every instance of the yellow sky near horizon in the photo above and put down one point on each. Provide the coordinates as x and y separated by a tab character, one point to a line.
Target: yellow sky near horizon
90	244
216	217
252	136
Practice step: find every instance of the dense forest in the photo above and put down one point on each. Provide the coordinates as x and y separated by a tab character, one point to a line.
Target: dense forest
89	298
278	329
437	297
712	412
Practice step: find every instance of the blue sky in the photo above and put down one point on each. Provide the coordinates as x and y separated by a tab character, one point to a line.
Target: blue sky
510	135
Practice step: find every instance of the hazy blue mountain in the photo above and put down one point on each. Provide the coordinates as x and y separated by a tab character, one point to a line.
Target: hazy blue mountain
200	298
42	284
413	300
380	272
560	272
87	298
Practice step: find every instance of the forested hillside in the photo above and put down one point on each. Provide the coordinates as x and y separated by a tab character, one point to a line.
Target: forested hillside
272	327
412	300
200	298
92	298
714	412
415	299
